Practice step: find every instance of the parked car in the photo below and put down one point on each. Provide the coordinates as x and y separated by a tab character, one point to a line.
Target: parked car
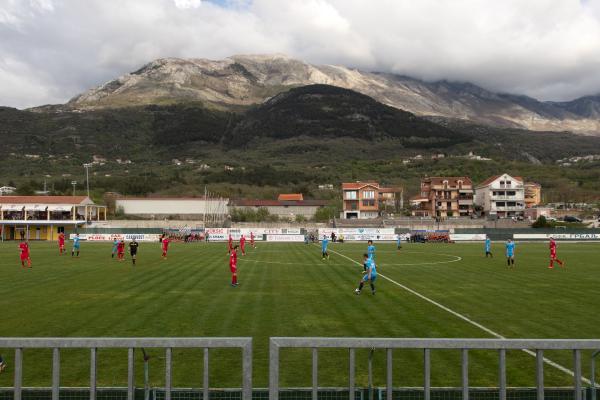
569	218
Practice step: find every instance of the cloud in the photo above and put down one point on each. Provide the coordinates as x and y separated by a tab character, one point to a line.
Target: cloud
51	50
187	3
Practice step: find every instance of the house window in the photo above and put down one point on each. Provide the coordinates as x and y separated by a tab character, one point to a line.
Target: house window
351	195
368	194
508	183
368	203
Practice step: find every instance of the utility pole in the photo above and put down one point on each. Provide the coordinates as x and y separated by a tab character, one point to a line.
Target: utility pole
205	205
74	183
87	177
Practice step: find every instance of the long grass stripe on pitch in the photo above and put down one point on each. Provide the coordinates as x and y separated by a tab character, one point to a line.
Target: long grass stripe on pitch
464	318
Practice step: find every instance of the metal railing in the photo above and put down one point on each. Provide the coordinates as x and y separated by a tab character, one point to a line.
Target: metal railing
464	345
93	344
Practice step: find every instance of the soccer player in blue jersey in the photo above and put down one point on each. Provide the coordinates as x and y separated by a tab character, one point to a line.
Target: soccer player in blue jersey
510	253
324	244
488	247
76	246
114	248
399	242
371	249
369	276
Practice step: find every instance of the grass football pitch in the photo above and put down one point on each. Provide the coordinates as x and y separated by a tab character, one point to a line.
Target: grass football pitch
287	290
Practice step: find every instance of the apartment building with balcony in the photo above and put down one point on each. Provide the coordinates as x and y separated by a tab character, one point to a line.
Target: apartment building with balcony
365	200
533	194
501	195
444	196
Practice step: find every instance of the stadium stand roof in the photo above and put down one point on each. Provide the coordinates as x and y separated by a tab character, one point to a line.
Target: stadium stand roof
74	200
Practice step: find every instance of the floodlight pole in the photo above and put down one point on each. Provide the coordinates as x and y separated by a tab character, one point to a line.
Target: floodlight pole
74	183
87	177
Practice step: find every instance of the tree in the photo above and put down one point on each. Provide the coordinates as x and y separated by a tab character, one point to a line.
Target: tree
541	222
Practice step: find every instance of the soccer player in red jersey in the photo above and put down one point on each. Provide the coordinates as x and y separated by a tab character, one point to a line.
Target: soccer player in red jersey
165	247
233	265
243	245
61	243
24	247
252	240
553	254
121	250
230	244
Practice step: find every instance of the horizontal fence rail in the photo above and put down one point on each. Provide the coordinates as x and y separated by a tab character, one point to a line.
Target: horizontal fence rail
131	344
464	345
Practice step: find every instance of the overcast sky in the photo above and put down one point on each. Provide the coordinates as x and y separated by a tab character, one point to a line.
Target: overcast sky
51	50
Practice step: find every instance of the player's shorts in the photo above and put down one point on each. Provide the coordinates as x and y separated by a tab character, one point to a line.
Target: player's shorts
133	253
61	245
510	255
233	269
24	256
76	246
366	278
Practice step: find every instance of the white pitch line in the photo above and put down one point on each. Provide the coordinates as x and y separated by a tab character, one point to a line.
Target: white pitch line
467	319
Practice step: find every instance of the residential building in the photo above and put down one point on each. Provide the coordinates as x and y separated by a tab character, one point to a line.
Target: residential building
444	196
501	195
365	200
4	190
43	217
533	194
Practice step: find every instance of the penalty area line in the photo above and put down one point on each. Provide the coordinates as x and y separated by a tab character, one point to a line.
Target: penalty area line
466	319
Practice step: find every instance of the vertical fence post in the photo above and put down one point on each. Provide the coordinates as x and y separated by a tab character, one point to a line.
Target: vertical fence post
502	374
371	374
389	372
539	358
205	381
427	374
18	374
168	366
465	374
351	374
315	373
93	373
577	373
130	374
273	371
55	374
593	374
247	371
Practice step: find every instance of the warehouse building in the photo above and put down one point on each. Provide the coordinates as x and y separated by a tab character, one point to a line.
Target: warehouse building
183	208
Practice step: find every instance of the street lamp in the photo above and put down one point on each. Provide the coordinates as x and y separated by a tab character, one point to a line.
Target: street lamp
87	177
74	183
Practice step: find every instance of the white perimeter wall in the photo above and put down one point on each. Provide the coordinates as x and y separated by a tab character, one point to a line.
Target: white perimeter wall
172	206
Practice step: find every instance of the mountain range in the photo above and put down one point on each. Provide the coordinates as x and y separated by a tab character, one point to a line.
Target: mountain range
239	82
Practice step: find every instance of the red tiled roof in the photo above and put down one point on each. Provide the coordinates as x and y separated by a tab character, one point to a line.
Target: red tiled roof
389	190
358	185
43	199
275	203
493	178
452	180
290	197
